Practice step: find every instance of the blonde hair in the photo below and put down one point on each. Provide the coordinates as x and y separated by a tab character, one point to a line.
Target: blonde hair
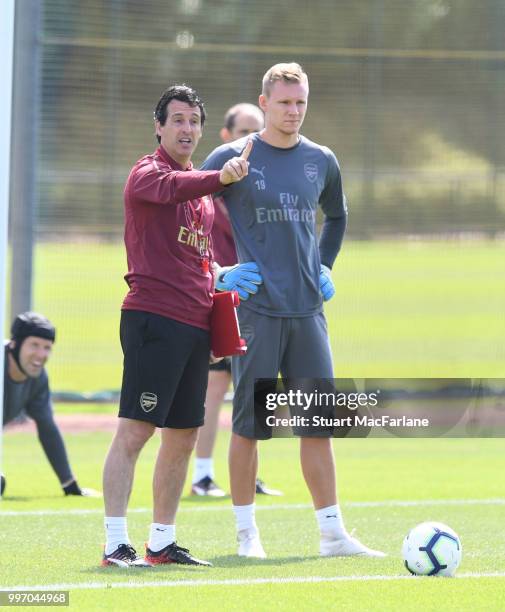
289	73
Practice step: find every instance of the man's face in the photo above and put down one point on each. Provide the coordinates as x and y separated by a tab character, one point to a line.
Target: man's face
285	107
33	355
182	131
245	124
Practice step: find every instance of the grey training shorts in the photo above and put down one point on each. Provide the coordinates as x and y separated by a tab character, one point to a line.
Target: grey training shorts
295	347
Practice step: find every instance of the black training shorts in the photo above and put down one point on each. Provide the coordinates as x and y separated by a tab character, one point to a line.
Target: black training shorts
165	370
221	366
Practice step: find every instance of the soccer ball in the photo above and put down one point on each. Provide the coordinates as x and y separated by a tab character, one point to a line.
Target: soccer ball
432	549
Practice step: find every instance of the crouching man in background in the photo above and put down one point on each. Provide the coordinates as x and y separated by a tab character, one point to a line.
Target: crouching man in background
26	391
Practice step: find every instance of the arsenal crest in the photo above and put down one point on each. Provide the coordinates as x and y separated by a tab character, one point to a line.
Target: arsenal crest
310	172
148	401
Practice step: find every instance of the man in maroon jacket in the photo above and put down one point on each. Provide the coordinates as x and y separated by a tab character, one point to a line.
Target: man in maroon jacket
164	324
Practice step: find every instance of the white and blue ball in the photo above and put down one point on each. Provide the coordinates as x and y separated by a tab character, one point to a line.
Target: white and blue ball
432	549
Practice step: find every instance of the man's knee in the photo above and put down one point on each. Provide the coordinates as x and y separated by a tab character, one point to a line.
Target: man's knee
189	439
242	441
184	440
316	442
133	435
243	447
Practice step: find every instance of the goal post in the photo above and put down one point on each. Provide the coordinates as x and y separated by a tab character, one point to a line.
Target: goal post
6	65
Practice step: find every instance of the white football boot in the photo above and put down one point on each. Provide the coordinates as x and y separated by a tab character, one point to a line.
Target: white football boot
249	544
348	546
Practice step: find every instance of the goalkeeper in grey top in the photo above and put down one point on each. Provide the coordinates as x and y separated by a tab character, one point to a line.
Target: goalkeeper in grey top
26	392
273	216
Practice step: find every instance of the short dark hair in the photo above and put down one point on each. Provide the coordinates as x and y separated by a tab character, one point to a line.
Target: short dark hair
183	93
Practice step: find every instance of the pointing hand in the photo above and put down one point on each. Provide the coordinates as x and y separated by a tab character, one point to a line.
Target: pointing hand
236	168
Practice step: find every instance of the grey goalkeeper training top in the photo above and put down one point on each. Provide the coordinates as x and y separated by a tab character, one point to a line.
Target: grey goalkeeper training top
273	217
32	397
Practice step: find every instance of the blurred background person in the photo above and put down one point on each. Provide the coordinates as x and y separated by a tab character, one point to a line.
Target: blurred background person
240	120
26	392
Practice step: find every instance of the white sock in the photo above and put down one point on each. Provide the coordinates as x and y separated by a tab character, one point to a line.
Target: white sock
330	522
203	467
160	536
116	533
244	516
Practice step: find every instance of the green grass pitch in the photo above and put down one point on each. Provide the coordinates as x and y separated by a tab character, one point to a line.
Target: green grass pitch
386	487
402	309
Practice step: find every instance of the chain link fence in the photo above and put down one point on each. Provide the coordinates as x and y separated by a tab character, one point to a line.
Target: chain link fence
409	95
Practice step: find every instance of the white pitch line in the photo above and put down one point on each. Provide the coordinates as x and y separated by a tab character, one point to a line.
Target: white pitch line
232	582
393	503
62	512
428	502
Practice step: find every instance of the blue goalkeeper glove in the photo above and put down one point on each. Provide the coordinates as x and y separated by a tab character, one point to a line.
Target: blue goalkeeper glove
243	278
326	284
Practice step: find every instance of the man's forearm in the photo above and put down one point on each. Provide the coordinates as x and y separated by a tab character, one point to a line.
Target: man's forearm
332	236
54	448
